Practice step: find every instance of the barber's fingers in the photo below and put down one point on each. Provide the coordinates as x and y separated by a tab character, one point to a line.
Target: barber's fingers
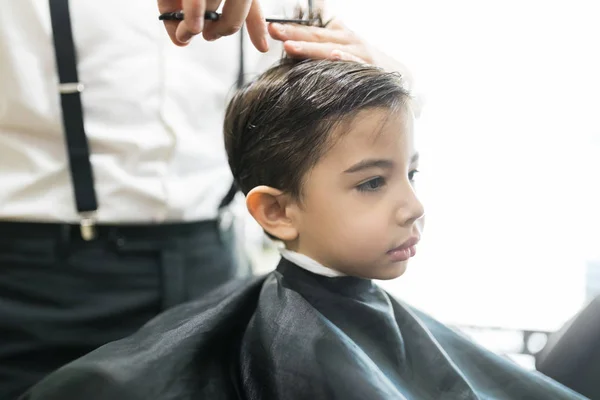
336	24
193	20
302	33
231	20
322	51
235	12
181	32
165	6
345	56
257	29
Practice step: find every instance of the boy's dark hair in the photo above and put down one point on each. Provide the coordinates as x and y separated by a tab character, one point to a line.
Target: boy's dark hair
278	126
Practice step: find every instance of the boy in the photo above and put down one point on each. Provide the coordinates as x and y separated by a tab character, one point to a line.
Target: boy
325	153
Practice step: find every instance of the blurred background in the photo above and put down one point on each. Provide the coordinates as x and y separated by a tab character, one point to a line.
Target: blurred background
510	144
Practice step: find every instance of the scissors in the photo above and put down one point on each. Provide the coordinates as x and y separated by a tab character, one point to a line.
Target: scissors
214	16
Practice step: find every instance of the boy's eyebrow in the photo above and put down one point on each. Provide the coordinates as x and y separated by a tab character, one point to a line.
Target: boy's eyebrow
377	163
370	163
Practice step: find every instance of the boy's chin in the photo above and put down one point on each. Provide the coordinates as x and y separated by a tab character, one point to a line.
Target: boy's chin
393	271
387	273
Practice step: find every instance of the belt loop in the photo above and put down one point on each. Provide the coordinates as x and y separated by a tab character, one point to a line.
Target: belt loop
115	238
65	234
64	240
87	226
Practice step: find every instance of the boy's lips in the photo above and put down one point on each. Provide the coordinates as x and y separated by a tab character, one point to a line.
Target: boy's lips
405	251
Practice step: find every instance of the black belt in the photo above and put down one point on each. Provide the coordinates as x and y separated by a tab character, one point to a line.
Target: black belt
78	150
38	230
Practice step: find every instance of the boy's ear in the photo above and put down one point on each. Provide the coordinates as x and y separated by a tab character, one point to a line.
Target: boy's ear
269	206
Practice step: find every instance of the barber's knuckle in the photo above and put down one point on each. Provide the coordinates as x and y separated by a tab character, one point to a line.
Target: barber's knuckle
230	29
195	30
337	24
319	35
351	35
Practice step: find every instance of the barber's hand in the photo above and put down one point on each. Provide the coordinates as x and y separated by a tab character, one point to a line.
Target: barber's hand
235	12
334	42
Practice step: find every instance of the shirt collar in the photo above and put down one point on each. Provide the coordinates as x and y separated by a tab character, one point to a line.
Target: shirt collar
309	264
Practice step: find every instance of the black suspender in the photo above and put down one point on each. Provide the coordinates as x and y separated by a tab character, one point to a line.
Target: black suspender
72	115
78	149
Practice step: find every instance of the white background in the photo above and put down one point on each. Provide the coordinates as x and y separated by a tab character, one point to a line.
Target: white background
510	139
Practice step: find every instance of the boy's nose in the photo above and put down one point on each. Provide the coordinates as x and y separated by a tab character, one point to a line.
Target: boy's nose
410	208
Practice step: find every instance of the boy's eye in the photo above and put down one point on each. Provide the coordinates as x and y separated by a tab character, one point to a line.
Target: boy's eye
411	175
371	185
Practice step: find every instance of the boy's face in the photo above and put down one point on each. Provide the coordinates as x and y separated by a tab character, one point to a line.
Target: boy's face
359	212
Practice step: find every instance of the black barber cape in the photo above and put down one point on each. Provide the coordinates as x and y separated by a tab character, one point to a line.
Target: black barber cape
295	335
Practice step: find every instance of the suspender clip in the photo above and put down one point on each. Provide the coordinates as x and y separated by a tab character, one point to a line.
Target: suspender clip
70	88
88	226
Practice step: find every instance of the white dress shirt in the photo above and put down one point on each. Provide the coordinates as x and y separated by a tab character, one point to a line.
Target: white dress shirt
308	263
153	113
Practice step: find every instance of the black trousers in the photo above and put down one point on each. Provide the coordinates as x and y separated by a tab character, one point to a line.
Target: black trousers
62	297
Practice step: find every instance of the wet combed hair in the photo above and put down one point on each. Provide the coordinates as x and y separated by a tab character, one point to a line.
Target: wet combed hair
278	126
